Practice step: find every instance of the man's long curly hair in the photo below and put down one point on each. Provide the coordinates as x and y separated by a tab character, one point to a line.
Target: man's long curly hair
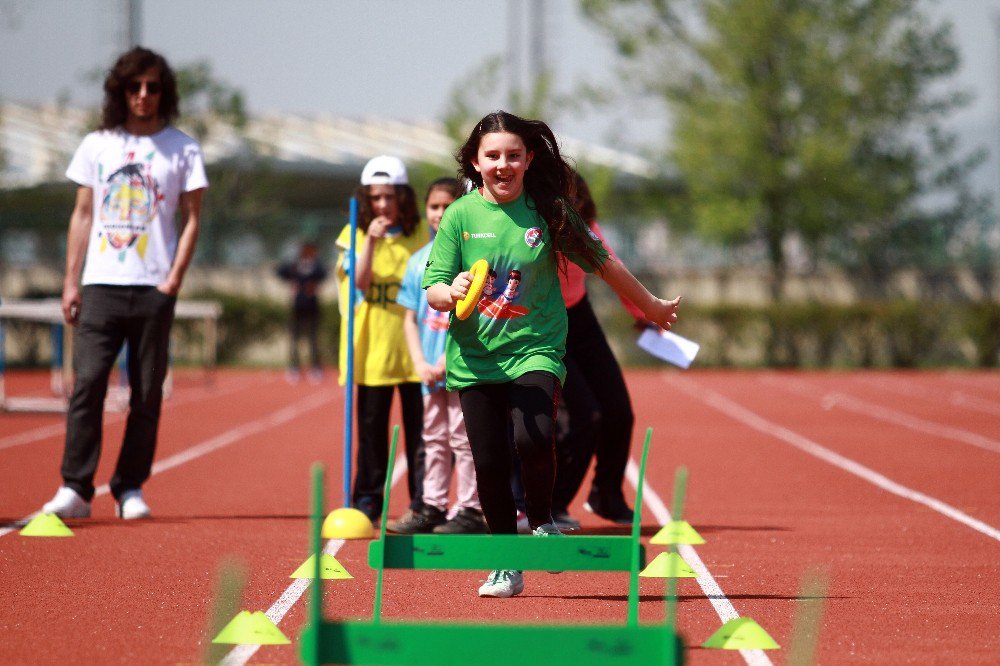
549	182
131	64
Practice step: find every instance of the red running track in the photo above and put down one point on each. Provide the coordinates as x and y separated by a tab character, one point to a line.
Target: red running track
886	481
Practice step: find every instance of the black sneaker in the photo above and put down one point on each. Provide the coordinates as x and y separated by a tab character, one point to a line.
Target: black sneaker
613	508
419	521
466	521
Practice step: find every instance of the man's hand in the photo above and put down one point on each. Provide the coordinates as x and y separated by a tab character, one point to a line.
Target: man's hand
71	304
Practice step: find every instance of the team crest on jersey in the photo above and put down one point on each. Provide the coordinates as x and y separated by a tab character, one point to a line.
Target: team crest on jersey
533	237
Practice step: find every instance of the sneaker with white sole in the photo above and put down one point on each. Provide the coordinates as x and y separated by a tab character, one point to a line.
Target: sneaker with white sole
523	527
547	530
131	505
502	583
67	504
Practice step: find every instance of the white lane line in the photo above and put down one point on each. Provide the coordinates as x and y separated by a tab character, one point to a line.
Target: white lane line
956	398
59	429
723	607
749	418
208	446
241	654
851	404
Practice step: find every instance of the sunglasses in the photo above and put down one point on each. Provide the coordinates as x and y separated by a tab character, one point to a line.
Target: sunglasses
152	87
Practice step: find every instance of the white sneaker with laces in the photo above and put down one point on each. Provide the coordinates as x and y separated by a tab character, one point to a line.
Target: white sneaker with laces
502	583
67	504
131	505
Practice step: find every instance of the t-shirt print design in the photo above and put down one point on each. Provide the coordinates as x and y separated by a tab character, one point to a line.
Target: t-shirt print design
128	206
501	306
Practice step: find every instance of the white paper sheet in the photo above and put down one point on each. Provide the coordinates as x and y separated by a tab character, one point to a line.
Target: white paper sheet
668	346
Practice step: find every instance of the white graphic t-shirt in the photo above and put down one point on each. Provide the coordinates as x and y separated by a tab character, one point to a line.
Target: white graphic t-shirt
137	182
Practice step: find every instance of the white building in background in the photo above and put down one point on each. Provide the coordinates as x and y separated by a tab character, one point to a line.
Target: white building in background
38	141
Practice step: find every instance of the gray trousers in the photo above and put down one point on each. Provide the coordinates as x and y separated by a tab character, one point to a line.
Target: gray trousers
109	317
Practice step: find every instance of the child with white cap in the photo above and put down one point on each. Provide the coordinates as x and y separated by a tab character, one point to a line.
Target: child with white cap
389	232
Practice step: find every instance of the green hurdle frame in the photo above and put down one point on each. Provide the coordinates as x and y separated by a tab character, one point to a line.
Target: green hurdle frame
412	643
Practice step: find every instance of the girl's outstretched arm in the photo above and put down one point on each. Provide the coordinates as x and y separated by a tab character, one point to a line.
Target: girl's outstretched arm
661	312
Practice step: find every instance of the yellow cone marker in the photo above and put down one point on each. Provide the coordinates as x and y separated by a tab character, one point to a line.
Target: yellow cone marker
347	523
742	633
251	629
329	568
46	525
668	565
677	532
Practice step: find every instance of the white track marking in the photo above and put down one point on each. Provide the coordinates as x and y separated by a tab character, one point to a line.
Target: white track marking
751	419
843	401
850	403
241	654
208	446
723	607
956	398
58	429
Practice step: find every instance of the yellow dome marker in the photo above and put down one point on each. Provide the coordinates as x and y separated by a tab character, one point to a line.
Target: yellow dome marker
46	525
329	568
347	523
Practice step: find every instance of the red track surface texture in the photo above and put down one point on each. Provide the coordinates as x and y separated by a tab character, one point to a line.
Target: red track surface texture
888	482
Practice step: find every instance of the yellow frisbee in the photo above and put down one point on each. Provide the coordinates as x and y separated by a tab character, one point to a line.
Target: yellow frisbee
479	271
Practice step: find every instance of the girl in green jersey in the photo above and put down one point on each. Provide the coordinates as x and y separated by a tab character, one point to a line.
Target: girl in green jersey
506	358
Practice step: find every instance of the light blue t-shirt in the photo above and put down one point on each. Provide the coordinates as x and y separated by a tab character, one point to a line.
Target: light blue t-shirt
433	325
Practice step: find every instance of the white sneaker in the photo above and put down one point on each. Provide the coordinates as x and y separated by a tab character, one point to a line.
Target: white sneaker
502	583
131	506
523	527
67	504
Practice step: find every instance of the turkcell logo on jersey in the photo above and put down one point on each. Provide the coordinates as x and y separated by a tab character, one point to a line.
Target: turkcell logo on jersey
130	202
467	236
533	237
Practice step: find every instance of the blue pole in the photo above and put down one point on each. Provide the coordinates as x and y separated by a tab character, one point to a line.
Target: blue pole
349	402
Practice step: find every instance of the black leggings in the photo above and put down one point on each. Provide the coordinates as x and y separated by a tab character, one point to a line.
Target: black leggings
599	411
528	403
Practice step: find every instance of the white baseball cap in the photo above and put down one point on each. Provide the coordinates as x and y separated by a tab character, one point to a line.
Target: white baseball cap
384	170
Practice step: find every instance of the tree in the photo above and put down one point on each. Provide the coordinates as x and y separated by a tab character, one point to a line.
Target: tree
819	120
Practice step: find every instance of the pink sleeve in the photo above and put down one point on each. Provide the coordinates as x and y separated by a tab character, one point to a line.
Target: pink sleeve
632	308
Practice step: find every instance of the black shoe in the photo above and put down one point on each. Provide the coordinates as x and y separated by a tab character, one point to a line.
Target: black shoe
613	508
419	521
369	507
466	521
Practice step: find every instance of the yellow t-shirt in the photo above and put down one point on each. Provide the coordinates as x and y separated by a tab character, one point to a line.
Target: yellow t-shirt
381	357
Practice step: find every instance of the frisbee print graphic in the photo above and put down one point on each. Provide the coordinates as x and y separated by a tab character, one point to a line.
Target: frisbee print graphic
479	271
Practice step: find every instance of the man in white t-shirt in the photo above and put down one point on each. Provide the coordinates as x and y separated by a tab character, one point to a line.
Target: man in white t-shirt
132	232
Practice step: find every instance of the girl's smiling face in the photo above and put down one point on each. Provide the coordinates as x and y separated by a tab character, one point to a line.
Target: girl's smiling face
502	159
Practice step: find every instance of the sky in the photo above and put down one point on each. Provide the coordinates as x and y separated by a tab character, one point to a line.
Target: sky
394	58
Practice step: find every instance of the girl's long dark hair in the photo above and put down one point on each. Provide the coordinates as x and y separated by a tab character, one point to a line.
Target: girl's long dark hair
131	64
549	182
406	201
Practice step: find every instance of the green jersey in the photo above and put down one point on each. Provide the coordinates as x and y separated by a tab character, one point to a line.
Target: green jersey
519	324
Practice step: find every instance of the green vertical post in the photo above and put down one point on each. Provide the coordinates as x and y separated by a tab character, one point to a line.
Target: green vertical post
316	593
680	487
633	582
377	612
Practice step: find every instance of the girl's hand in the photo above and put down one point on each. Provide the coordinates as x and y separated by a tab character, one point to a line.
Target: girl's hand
460	286
663	313
378	227
426	372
